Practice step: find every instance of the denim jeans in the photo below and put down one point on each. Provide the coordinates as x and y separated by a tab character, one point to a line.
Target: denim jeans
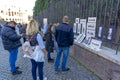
65	51
13	58
48	55
40	69
55	46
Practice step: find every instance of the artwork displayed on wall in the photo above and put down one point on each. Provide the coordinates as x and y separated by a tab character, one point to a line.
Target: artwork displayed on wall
79	29
74	27
87	41
80	38
100	31
95	44
77	20
110	32
83	26
92	19
91	27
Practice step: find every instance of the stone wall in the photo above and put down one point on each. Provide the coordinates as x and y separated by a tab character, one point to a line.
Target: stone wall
104	68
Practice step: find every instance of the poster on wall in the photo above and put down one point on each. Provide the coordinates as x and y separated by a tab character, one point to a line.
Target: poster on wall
100	31
80	38
109	37
74	27
92	19
79	30
91	27
110	32
83	26
77	20
95	44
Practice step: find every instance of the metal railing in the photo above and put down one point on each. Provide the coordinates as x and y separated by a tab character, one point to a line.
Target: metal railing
106	11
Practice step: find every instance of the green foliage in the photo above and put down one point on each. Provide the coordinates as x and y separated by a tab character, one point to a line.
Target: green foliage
40	5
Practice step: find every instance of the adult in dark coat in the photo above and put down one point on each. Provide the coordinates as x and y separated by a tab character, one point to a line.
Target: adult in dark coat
64	36
23	31
11	42
49	43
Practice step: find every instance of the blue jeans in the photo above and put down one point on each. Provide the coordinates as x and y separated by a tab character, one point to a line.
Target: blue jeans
48	55
65	51
55	45
13	58
34	68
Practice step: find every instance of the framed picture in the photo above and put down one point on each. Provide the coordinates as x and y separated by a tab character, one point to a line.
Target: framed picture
74	28
77	20
91	27
80	38
100	31
95	44
83	26
92	19
110	32
79	29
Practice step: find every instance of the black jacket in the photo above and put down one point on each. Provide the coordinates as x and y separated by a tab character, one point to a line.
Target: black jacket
10	38
64	35
49	41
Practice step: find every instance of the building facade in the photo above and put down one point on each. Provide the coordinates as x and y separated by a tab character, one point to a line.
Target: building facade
12	12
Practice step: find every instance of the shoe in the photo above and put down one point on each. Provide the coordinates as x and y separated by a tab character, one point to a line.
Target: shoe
16	72
50	60
45	78
57	71
67	69
17	67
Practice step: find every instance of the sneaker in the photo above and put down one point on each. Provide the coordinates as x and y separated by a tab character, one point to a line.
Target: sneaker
16	72
67	69
50	60
57	71
45	78
17	67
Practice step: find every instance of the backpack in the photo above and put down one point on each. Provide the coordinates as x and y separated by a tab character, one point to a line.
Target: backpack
33	39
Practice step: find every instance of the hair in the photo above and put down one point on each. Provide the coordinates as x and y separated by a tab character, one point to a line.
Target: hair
32	27
12	22
50	26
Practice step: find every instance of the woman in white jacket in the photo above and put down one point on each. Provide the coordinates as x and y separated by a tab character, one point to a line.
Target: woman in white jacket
35	40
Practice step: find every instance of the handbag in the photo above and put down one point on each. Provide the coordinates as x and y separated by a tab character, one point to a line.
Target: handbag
38	55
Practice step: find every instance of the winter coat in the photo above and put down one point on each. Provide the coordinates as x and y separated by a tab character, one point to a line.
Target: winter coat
23	31
49	41
64	35
10	38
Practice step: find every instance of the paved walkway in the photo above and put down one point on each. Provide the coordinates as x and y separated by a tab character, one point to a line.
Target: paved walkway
76	72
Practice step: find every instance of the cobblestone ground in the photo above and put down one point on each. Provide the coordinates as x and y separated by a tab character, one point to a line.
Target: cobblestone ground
76	72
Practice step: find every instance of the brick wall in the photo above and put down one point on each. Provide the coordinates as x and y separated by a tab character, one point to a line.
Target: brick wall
104	68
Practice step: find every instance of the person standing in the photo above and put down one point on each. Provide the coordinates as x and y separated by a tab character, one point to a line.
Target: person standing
49	44
35	40
64	36
11	42
23	31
